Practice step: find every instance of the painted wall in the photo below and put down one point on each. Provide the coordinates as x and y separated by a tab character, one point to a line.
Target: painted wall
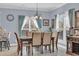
13	26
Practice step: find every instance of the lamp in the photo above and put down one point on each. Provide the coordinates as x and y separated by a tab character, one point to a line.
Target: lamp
37	17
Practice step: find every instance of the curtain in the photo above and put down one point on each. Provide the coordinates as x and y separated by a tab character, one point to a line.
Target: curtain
67	20
57	22
26	23
20	22
29	23
71	17
35	23
39	23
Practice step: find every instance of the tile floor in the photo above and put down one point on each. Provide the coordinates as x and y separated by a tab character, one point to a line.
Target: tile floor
60	52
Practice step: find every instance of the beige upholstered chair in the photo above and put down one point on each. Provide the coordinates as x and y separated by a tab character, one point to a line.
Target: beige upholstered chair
14	50
4	38
46	40
30	34
55	34
76	32
36	40
18	43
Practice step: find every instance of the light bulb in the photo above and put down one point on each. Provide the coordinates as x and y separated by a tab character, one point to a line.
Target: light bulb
36	17
40	17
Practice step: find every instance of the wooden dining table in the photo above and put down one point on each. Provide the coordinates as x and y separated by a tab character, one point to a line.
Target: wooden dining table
29	39
25	39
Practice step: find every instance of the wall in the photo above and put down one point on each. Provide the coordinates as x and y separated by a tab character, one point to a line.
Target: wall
61	10
13	26
64	8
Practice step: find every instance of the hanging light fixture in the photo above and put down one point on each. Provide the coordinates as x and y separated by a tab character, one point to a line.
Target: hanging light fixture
37	17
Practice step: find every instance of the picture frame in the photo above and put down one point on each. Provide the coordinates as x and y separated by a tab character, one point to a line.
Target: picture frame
45	22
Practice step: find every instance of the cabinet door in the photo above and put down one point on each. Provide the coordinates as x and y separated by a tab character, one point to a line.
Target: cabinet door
77	19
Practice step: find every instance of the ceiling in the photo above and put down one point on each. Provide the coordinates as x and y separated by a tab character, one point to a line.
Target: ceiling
32	6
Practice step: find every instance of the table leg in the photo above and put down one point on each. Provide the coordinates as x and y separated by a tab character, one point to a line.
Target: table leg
1	45
28	50
52	45
67	47
21	48
45	47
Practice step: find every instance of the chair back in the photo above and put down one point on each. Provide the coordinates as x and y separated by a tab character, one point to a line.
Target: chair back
55	34
17	39
30	34
36	38
46	38
4	35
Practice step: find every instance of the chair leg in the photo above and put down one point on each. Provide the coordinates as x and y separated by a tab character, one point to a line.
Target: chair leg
32	51
52	45
18	50
45	47
50	48
4	44
28	49
8	45
41	49
1	46
57	47
37	48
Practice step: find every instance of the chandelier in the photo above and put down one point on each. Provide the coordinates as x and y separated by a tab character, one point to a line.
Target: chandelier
37	17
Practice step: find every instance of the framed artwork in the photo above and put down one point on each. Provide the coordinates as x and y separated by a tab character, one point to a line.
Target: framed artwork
45	22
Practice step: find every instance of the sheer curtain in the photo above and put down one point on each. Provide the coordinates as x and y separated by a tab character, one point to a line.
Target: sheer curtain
30	23
67	20
35	22
26	21
57	22
72	17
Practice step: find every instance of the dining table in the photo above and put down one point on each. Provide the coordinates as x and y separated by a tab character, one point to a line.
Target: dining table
24	39
29	40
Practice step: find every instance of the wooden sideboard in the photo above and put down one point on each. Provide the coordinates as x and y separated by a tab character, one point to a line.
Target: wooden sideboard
71	40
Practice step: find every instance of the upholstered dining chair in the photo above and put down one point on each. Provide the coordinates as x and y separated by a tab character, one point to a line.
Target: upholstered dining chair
46	40
36	40
14	50
4	39
19	46
18	43
55	34
30	34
